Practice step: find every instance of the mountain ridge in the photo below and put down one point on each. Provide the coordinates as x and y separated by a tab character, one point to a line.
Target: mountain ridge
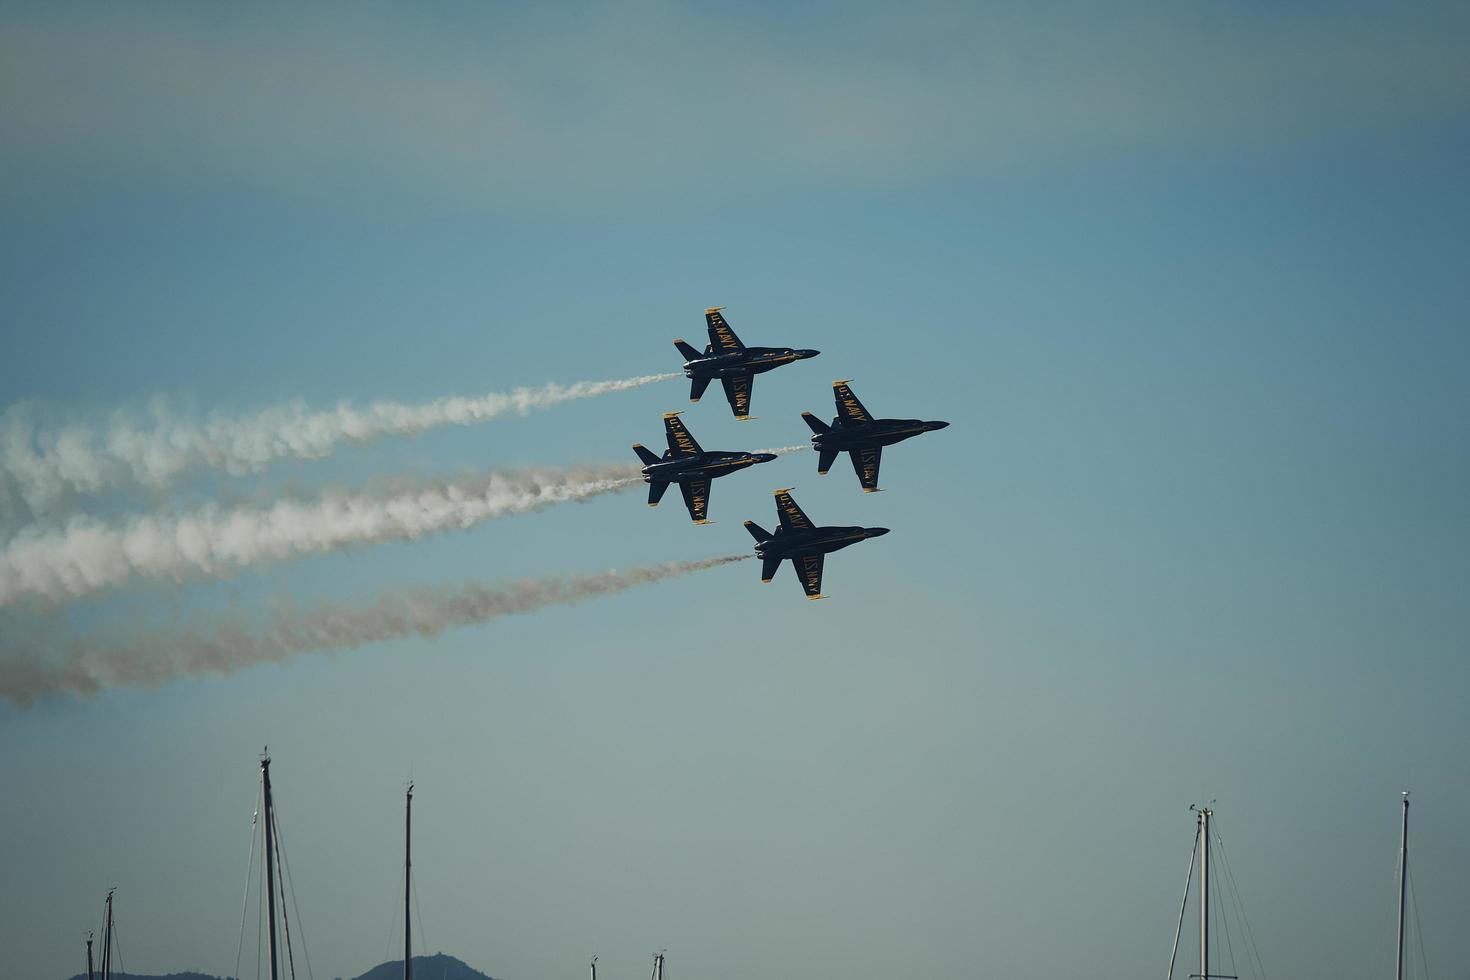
440	966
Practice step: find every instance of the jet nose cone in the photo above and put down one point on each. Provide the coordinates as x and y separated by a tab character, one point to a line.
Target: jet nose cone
936	426
876	532
764	457
804	354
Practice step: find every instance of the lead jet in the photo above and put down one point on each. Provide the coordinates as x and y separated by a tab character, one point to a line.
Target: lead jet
803	542
689	466
855	432
734	364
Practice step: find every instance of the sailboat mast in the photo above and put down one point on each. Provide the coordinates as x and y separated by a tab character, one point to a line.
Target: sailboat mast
407	882
1403	882
107	941
270	858
1204	892
89	957
594	968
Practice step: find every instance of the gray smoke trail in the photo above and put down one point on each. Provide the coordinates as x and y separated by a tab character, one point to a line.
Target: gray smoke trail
45	464
150	659
88	555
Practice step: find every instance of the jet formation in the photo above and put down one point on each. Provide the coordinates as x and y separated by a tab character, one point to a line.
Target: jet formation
853	431
734	364
686	464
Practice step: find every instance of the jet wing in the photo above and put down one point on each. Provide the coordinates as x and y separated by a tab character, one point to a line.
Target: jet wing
737	392
791	516
721	337
849	409
865	465
681	443
809	570
696	498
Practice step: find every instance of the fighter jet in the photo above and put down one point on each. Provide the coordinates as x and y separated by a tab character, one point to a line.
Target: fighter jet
861	436
803	542
734	364
689	466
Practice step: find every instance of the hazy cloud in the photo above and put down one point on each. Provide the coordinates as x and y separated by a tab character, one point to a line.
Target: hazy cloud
627	103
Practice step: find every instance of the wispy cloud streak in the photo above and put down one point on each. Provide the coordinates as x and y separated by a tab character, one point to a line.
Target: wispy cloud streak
89	555
45	464
87	667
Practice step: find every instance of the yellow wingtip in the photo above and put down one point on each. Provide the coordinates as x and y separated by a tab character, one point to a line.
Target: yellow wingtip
814	598
704	522
783	490
712	309
872	489
744	418
672	415
843	381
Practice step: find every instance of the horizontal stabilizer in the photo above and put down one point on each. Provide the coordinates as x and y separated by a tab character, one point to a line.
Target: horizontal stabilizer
690	353
645	454
817	426
769	568
757	532
656	492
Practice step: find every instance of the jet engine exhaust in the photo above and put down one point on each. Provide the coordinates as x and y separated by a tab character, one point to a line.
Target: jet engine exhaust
85	666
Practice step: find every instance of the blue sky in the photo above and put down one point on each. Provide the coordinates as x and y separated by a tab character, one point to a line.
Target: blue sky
1186	279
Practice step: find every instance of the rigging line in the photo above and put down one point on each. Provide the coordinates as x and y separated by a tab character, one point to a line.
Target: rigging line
1215	925
1233	895
117	944
1188	876
1248	933
1224	912
414	882
1251	948
245	898
259	911
1418	925
281	887
286	870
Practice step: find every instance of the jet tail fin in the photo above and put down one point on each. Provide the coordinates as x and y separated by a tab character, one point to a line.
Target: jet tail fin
645	454
690	353
815	424
757	532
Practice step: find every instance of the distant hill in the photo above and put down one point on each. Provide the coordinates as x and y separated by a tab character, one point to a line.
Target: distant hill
436	967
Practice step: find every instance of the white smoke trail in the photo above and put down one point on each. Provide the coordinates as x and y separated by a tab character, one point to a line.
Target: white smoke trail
88	555
46	464
86	667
